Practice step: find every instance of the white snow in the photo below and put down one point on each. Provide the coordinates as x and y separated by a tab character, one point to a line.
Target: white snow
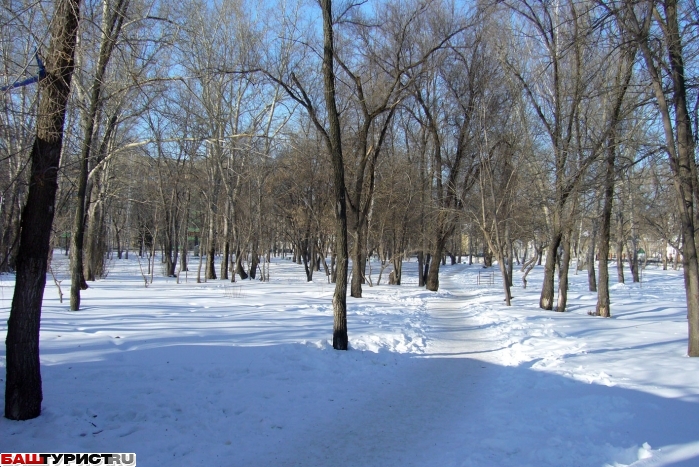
220	374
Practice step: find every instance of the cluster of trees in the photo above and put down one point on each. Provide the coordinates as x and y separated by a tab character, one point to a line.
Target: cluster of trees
520	130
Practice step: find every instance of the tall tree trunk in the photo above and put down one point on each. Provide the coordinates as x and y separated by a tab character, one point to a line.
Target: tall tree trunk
682	164
23	393
622	83
340	339
603	307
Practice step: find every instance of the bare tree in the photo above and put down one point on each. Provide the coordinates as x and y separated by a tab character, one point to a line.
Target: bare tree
658	22
621	81
23	393
333	140
21	63
112	21
448	100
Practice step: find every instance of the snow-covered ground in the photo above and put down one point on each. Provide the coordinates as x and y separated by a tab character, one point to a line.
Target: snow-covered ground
243	374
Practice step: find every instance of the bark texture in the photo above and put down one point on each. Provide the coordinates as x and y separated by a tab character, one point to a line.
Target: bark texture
23	393
340	339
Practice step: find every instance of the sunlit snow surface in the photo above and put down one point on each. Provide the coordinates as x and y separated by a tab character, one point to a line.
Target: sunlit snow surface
220	374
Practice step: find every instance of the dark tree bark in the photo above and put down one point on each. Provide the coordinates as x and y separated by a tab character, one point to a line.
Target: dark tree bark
546	298
359	260
633	261
23	393
420	267
211	245
623	80
426	268
603	307
226	243
184	233
239	265
333	267
682	162
210	256
225	258
333	141
10	228
117	238
677	126
432	275
340	339
254	261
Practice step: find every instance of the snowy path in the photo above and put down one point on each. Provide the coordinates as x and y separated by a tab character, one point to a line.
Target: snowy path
243	374
451	329
520	417
417	411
